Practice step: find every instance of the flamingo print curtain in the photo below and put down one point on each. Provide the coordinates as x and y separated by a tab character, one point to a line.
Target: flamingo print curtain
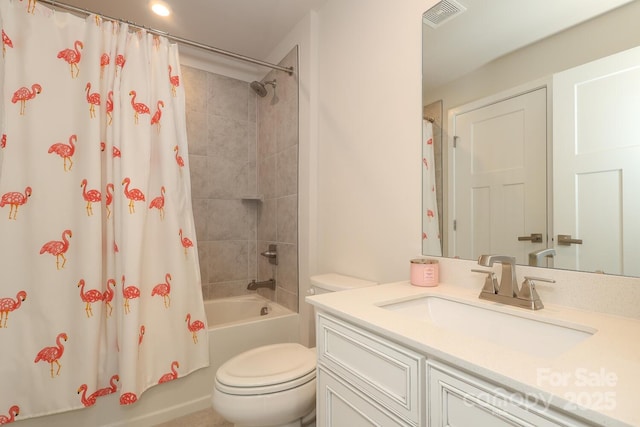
430	221
100	285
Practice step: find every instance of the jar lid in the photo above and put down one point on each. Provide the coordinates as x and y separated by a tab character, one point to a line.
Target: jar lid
424	261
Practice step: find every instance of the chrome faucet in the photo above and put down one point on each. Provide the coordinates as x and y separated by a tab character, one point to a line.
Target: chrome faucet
507	292
508	282
271	284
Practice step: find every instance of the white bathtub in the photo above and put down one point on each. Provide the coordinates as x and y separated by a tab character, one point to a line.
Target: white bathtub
235	325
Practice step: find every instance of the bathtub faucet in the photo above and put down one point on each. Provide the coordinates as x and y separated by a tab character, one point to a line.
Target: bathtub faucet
271	284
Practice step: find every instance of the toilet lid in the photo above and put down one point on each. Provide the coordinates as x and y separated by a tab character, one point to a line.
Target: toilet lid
269	369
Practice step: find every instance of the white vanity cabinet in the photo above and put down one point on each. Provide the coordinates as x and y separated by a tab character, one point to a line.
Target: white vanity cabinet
459	399
364	379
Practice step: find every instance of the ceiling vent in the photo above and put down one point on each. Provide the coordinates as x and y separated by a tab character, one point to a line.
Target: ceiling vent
442	12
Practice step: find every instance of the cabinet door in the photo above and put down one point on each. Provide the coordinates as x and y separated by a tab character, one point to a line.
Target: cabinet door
384	371
457	399
340	405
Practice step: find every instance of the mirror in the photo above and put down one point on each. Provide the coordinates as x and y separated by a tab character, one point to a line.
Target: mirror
525	46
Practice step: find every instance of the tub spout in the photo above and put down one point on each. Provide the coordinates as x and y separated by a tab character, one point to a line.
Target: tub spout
271	284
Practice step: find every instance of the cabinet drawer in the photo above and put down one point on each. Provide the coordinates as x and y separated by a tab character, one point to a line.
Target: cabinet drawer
383	370
458	399
340	405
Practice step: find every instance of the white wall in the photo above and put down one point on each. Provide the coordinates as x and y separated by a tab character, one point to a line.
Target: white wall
369	73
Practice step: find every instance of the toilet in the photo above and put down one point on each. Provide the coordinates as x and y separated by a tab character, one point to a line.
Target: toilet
275	385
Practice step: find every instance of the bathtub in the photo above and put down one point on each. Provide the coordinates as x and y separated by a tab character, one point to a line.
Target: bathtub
235	325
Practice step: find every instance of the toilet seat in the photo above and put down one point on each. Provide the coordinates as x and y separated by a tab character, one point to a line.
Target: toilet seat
268	369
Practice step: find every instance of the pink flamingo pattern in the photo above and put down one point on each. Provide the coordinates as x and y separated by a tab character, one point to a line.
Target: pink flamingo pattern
186	242
129	292
7	305
15	199
158	203
89	297
105	60
194	327
91	196
115	152
170	376
86	401
6	42
112	388
108	295
141	335
120	61
31	6
155	120
53	354
58	248
110	188
3	141
128	398
24	94
66	151
179	159
430	214
93	99
134	195
138	107
164	290
174	81
14	411
110	107
72	57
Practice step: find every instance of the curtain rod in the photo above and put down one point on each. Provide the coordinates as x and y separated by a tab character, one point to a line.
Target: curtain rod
288	70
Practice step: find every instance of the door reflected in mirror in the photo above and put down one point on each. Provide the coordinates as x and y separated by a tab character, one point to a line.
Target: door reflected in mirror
486	187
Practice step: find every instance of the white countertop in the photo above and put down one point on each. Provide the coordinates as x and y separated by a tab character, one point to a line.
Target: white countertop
597	380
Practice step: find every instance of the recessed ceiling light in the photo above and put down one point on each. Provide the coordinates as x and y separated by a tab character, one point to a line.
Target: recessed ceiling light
161	9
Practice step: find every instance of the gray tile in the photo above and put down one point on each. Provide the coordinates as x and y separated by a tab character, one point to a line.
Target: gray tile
288	267
267	220
228	289
195	87
229	219
229	138
287	219
197	135
267	176
287	299
287	172
228	97
228	179
230	260
199	172
201	218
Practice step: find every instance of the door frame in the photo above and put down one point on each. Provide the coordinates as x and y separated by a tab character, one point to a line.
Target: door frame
449	153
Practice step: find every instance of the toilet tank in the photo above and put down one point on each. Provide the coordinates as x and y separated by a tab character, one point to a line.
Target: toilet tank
332	282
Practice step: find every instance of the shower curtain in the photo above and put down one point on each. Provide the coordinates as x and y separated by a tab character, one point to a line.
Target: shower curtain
100	285
430	221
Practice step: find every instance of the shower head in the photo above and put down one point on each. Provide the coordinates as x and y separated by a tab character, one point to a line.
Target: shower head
261	87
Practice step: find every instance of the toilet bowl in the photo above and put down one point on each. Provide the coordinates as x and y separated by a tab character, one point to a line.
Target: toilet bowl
274	385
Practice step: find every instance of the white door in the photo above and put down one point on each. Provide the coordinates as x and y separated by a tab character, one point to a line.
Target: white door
596	139
500	177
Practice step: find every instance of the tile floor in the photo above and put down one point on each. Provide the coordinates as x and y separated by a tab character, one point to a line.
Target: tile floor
204	418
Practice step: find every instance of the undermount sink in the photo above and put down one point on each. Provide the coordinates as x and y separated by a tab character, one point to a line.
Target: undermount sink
531	336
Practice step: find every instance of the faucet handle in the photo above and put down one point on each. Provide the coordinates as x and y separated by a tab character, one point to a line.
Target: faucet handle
490	282
528	290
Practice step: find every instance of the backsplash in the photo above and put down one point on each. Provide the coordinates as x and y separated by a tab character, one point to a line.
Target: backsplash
615	295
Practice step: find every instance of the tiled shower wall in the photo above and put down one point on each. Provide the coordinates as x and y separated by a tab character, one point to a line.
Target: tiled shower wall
242	146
